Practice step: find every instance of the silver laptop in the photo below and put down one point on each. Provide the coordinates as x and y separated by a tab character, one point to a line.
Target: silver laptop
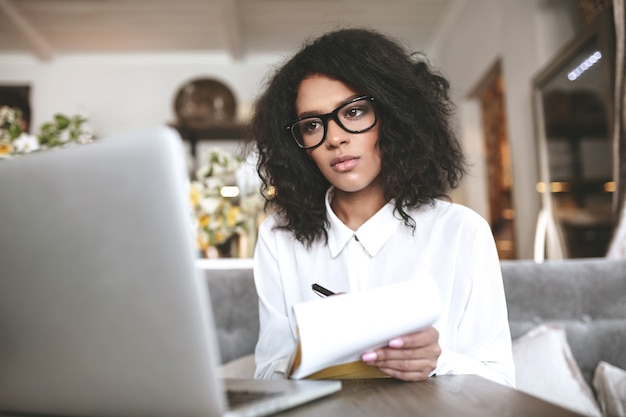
102	310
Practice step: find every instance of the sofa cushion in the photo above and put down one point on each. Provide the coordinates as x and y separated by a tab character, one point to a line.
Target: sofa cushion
546	368
610	384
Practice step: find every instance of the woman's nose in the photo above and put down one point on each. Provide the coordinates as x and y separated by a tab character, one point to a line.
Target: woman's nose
335	135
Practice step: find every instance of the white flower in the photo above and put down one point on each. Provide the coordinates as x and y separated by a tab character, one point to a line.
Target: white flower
202	171
64	136
7	115
219	170
210	205
26	143
61	131
213	185
86	135
216	163
247	177
218	218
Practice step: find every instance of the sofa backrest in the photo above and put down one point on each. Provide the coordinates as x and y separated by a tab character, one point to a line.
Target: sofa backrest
235	310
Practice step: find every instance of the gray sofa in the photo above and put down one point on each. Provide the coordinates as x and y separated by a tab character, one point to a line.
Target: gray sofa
587	295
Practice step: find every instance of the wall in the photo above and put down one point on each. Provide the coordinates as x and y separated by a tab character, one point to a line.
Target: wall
119	93
524	36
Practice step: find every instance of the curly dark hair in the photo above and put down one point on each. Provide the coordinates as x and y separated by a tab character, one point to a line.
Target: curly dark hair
421	156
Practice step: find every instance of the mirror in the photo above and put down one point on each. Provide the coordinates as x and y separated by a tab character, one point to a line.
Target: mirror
573	110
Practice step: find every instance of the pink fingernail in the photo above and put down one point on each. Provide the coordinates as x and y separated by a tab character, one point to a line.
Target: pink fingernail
369	357
396	343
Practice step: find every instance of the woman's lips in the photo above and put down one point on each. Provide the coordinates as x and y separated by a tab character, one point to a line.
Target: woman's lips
344	163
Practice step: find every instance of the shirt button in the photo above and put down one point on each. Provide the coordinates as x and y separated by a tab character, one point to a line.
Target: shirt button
356	238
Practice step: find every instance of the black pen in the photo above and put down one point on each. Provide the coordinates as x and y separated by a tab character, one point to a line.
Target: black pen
325	292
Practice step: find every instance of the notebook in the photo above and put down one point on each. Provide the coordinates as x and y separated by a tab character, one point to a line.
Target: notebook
102	310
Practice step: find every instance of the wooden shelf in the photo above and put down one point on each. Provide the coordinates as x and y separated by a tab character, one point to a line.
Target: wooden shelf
228	131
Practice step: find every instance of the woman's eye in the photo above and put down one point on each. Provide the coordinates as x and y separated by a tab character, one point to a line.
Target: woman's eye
310	126
353	112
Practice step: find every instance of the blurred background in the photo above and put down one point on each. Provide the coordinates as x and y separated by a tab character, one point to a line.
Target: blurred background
534	84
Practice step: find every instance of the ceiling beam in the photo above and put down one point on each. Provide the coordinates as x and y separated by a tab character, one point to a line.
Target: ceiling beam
38	44
232	27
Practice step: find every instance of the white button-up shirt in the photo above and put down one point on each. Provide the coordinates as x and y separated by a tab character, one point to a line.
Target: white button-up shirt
451	243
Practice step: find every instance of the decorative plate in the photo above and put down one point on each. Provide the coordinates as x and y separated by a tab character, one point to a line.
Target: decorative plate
205	102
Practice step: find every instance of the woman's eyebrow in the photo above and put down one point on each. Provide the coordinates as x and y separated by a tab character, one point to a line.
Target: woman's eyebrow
308	113
317	113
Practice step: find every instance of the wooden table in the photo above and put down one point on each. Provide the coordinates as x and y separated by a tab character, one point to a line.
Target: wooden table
445	396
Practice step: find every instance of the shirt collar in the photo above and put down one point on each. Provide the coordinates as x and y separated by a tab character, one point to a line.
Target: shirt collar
372	234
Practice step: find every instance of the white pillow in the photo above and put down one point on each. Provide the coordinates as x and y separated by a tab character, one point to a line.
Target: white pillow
610	384
546	368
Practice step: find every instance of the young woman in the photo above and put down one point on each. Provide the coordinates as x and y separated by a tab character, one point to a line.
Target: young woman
356	154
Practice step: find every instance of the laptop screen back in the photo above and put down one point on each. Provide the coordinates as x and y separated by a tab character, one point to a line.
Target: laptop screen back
101	308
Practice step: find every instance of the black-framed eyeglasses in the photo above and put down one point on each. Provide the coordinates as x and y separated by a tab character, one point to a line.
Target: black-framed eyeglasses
355	116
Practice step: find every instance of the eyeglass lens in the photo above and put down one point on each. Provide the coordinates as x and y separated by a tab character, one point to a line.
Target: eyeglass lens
353	117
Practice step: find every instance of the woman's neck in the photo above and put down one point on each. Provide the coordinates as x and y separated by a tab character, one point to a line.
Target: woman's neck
354	209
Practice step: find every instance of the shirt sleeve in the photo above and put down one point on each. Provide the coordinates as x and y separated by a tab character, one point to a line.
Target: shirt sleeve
482	345
276	342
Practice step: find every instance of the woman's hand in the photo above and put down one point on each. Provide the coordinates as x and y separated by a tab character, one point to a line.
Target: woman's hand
411	357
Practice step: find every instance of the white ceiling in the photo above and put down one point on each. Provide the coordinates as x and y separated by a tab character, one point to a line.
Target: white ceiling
47	28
